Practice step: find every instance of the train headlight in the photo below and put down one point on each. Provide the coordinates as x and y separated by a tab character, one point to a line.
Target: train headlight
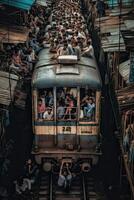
86	167
47	166
38	160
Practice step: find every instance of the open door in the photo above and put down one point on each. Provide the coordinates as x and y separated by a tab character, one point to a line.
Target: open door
66	116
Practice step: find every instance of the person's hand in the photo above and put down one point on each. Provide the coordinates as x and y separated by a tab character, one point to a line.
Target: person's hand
67	164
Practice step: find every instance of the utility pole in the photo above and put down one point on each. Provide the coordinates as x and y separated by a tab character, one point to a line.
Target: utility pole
119	47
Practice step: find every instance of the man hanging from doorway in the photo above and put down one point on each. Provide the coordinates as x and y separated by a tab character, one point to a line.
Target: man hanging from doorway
65	177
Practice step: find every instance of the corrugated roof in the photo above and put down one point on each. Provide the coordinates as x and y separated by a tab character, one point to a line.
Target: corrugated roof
111	26
22	4
13	34
124	69
5	85
114	3
129	24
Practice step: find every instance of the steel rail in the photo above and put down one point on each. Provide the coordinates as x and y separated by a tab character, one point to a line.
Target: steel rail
84	187
51	187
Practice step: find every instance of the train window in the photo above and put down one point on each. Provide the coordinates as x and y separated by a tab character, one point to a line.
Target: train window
45	104
66	103
87	104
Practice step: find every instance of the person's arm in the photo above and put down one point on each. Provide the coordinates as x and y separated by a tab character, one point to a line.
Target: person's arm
61	169
69	173
44	115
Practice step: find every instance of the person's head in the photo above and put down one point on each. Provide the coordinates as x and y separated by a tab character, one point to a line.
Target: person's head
30	50
16	52
68	95
88	42
40	102
64	172
49	109
29	162
90	100
49	93
65	45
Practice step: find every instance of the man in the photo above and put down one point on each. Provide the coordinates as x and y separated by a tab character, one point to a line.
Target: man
41	108
89	108
48	114
31	172
60	110
65	177
88	51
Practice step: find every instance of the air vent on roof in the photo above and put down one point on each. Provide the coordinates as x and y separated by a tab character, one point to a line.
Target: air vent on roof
67	70
67	59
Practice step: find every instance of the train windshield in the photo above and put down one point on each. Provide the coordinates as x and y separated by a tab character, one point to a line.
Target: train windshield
45	104
69	104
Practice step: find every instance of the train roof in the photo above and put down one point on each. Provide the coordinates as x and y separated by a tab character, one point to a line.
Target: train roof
49	73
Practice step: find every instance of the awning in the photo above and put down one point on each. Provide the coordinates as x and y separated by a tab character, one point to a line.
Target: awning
6	86
114	3
13	34
124	69
22	4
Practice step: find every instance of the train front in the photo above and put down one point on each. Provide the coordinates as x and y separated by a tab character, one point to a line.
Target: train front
66	112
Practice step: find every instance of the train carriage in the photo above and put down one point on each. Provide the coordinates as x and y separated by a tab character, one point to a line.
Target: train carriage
64	125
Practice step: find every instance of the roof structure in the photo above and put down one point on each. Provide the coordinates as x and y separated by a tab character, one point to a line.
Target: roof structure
124	69
21	4
13	34
8	84
116	29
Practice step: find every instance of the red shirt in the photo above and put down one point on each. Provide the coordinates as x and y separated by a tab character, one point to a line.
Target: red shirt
41	108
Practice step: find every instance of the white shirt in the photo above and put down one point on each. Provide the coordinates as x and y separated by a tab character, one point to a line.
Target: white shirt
47	116
61	180
90	50
31	56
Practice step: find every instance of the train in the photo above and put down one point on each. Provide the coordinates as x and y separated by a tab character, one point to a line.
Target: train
64	127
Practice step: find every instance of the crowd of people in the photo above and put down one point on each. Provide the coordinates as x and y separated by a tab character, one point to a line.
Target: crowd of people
66	104
24	183
21	57
67	32
64	30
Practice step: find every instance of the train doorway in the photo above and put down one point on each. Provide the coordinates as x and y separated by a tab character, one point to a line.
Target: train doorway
66	117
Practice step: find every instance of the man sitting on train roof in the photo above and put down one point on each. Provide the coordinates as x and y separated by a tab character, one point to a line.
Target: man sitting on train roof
88	51
65	17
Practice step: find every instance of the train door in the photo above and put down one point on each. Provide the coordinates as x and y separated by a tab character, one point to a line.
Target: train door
44	124
66	116
89	117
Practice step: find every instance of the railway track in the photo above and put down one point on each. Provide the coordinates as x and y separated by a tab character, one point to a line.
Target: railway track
82	188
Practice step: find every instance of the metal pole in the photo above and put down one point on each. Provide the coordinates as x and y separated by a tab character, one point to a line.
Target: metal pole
120	5
55	115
